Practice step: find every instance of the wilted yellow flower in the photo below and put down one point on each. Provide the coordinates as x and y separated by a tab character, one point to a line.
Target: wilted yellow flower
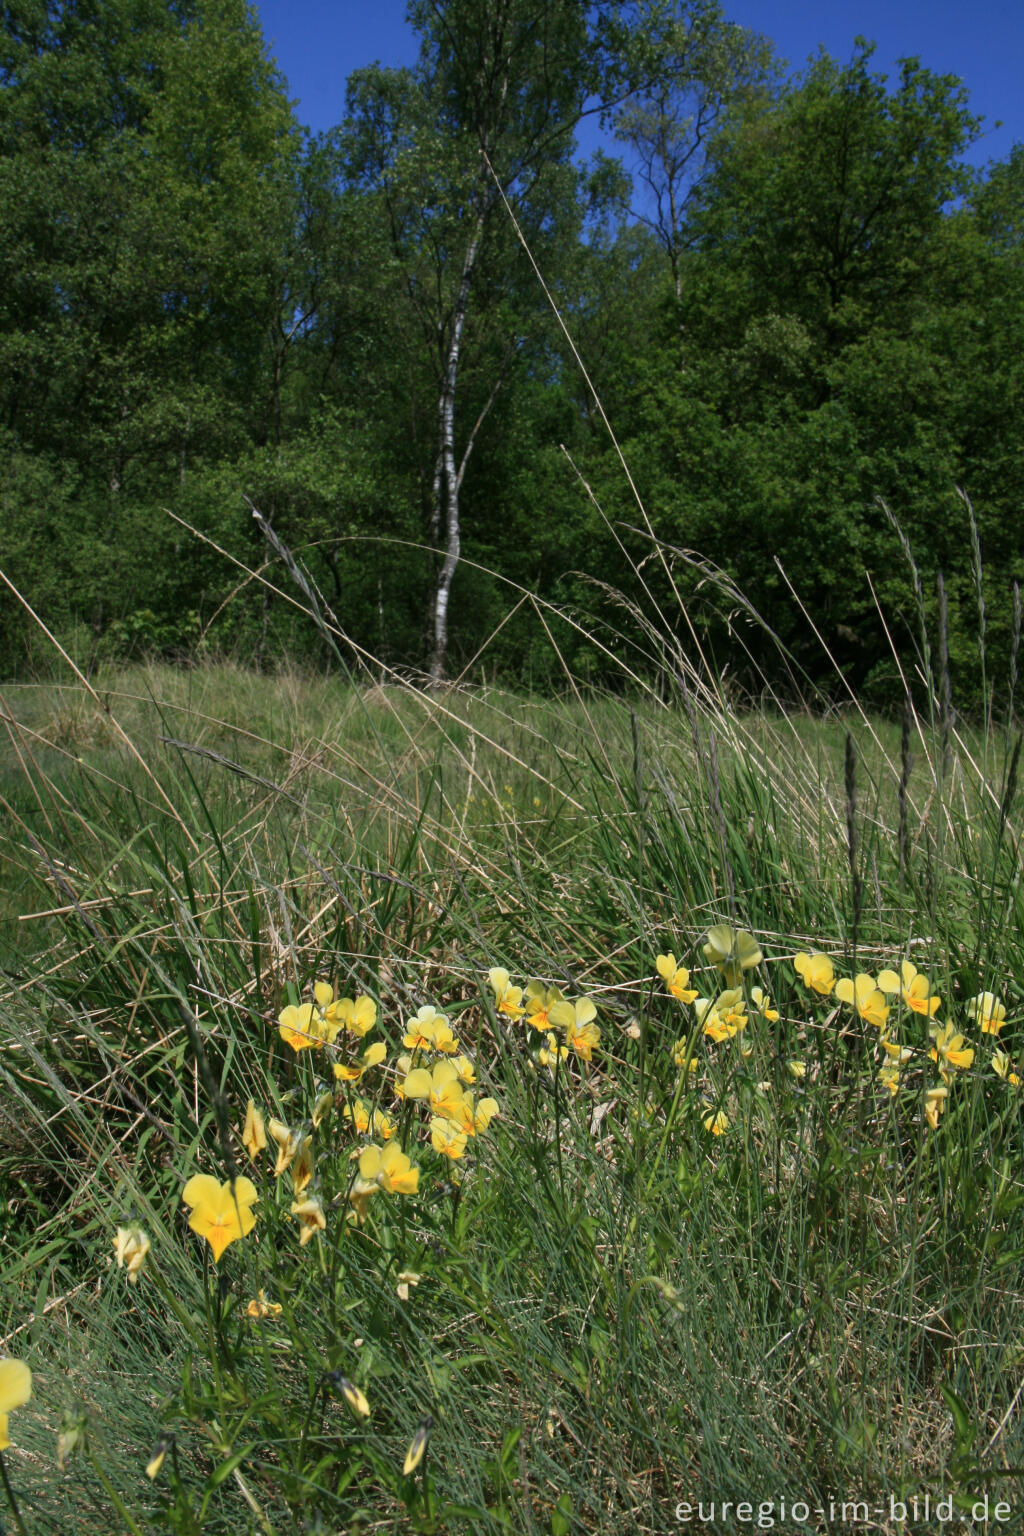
732	950
716	1122
675	977
1003	1068
948	1049
15	1391
406	1277
131	1246
797	1070
261	1307
157	1459
539	1000
865	996
914	987
815	971
507	999
934	1104
581	1034
351	1072
254	1135
310	1213
302	1026
355	1399
220	1212
302	1166
414	1455
987	1011
288	1143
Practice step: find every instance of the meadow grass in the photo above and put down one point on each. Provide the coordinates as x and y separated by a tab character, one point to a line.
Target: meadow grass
623	1301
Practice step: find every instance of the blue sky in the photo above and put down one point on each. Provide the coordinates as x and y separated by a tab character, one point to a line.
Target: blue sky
317	43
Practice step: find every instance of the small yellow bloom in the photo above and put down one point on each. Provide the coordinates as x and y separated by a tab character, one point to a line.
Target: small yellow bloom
889	1074
447	1137
302	1026
1001	1065
355	1399
763	1004
815	971
716	1122
417	1449
156	1461
948	1048
987	1011
131	1246
466	1070
261	1307
356	1018
429	1031
441	1087
732	950
15	1391
351	1072
220	1212
254	1135
863	995
507	999
581	1034
551	1052
914	988
406	1278
723	1018
797	1070
675	977
539	1000
310	1213
680	1059
388	1168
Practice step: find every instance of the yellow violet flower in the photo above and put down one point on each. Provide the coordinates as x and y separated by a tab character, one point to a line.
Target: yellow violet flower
987	1011
815	971
475	1118
507	999
131	1246
447	1137
551	1052
310	1213
302	1026
889	1074
716	1122
351	1072
675	977
466	1070
356	1017
429	1031
254	1134
724	1017
441	1087
539	1000
948	1049
15	1391
581	1034
680	1059
261	1307
763	1004
1001	1065
863	995
797	1070
388	1168
288	1143
220	1212
732	950
934	1104
914	987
